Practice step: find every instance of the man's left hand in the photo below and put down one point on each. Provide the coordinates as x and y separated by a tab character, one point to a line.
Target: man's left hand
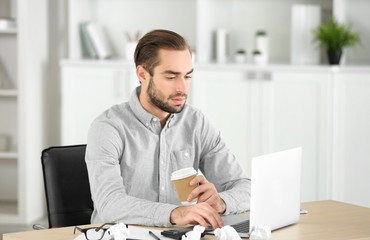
206	192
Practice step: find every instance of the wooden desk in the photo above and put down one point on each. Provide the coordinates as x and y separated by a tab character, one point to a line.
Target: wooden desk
325	220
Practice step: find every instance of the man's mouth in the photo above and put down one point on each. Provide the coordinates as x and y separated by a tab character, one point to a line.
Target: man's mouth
178	101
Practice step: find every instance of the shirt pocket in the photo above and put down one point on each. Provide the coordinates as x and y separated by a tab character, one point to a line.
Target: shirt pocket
182	159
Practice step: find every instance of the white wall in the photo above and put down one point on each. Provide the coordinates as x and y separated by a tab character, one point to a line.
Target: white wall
57	49
358	15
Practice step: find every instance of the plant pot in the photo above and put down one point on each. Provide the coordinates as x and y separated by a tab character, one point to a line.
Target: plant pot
334	56
240	58
259	59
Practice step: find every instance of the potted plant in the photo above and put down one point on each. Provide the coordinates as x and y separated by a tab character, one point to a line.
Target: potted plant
258	57
334	36
262	45
261	33
240	56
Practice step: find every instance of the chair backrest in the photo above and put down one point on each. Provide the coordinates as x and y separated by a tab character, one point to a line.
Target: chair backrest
67	187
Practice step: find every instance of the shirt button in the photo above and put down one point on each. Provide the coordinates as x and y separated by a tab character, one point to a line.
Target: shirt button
146	124
162	162
162	188
186	154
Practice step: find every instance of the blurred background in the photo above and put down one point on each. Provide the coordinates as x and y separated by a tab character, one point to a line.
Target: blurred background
260	77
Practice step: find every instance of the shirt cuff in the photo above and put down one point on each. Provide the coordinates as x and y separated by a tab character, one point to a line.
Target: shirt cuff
228	201
162	215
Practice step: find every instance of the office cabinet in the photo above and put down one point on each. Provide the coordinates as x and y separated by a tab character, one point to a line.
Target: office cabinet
297	105
351	137
224	97
260	112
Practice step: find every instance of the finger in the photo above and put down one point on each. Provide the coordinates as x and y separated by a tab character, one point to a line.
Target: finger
210	215
200	179
215	220
200	220
207	196
218	218
217	203
197	192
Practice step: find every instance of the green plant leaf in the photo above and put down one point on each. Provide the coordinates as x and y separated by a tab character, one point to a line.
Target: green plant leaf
336	36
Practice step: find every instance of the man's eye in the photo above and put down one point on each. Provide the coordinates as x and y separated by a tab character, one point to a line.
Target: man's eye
171	78
188	77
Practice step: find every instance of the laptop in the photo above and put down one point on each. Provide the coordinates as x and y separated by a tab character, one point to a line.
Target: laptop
275	195
275	192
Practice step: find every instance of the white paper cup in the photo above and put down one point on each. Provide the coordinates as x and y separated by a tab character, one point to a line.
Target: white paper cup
181	180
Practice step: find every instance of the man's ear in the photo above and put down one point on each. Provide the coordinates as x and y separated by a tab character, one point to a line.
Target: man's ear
142	73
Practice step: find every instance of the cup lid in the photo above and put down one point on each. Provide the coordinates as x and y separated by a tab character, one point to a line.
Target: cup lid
183	173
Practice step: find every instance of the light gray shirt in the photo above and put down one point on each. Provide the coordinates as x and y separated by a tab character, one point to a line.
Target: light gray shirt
130	158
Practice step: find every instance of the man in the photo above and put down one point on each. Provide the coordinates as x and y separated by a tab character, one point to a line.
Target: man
133	148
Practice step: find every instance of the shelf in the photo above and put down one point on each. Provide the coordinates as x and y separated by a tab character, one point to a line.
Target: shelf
8	93
110	63
121	63
8	208
8	155
8	31
9	212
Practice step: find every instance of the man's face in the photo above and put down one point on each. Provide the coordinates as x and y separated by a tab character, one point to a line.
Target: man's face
168	87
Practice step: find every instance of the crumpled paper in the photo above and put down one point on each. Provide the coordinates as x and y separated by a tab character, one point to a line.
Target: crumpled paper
260	233
118	232
195	234
227	233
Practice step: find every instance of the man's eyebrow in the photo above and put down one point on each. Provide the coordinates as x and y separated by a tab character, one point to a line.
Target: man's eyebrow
190	71
176	73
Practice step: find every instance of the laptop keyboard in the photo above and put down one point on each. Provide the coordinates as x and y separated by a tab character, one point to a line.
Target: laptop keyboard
242	227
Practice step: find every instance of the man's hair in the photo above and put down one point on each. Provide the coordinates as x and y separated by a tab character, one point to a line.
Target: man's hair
146	52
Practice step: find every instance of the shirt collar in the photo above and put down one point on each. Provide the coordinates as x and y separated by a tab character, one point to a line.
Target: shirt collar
143	116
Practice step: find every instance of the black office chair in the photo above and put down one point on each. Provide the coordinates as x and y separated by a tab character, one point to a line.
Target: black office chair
67	187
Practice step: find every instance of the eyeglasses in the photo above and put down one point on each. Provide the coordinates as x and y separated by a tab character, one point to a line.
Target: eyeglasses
93	233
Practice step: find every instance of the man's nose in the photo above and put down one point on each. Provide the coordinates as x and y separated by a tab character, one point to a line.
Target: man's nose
181	85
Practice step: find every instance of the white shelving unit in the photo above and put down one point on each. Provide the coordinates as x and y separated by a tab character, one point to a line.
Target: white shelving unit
197	22
9	116
201	18
8	93
22	55
9	31
9	155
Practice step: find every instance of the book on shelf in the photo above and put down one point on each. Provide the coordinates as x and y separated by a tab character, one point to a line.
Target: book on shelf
94	42
87	47
99	40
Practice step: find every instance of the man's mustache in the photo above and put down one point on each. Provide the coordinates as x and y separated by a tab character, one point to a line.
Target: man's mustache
178	95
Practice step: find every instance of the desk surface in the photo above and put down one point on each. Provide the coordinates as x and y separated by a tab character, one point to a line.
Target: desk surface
325	220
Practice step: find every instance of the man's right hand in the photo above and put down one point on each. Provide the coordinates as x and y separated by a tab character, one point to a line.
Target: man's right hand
200	213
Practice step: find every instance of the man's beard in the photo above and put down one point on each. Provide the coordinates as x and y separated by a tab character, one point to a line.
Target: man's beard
158	99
